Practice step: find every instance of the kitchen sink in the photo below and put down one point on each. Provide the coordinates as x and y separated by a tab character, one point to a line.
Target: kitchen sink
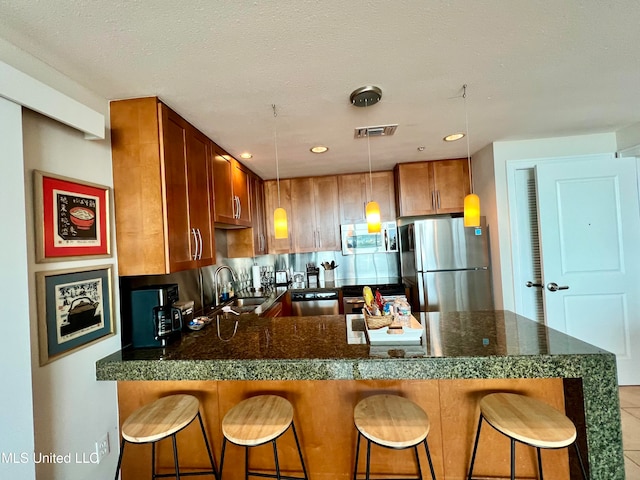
247	301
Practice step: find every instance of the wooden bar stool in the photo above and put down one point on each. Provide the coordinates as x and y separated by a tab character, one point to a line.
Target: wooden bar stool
529	421
393	422
158	420
256	421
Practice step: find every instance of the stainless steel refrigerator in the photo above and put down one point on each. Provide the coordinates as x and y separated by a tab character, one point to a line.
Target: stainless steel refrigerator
445	265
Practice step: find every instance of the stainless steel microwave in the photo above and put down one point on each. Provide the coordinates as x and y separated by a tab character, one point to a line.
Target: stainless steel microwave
357	239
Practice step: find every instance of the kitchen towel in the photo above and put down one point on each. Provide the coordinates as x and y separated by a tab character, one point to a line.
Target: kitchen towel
255	275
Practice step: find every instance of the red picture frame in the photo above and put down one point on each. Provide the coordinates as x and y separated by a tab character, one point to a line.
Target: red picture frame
72	218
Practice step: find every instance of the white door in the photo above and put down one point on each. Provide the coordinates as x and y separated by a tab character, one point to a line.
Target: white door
589	221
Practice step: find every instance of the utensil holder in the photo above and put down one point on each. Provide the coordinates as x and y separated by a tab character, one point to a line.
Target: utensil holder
329	277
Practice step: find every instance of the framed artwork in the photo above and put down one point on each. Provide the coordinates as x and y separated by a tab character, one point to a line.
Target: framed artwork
74	309
72	218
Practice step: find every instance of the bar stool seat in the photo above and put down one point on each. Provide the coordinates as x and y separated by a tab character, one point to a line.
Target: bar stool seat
529	421
161	419
393	422
256	421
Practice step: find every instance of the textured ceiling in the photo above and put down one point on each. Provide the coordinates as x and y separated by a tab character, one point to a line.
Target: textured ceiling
534	68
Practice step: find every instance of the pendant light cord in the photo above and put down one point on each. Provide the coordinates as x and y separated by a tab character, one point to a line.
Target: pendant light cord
466	128
369	153
275	141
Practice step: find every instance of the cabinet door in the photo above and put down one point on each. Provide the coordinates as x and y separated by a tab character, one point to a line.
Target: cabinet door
277	245
303	215
353	197
451	184
258	215
223	187
415	194
384	194
241	194
327	213
200	220
181	241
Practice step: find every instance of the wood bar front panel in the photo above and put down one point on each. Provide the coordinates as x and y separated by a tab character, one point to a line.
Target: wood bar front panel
324	421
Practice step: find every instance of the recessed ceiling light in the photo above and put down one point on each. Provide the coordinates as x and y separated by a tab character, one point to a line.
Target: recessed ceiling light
319	149
453	137
246	155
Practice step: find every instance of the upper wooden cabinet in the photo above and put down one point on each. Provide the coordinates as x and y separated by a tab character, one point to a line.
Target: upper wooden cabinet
427	188
231	185
315	214
277	245
355	191
249	242
161	190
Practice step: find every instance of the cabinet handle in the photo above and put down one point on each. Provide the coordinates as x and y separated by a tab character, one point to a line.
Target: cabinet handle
433	200
438	196
195	243
201	243
233	206
239	207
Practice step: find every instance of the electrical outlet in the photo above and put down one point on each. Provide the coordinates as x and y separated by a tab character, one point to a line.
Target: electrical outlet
102	447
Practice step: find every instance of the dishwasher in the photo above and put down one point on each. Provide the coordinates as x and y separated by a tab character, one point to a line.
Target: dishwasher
315	302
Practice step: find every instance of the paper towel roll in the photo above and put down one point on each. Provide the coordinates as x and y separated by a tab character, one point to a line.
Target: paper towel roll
255	275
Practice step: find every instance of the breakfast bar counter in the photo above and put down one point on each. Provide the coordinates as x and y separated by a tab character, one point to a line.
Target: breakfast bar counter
320	364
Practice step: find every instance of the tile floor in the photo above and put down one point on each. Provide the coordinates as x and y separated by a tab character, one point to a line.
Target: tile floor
630	414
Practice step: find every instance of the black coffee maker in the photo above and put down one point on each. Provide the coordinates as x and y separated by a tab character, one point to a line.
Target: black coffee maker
155	321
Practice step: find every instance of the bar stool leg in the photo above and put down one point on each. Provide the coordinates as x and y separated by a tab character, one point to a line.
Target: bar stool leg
175	455
584	472
426	449
275	458
153	460
513	459
246	463
475	448
540	465
355	469
415	450
224	444
368	458
295	435
206	442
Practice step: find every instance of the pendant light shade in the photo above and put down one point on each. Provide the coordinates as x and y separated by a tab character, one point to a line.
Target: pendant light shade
280	223
280	226
472	210
373	217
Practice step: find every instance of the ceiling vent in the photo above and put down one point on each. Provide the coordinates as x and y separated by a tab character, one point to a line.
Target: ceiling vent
379	131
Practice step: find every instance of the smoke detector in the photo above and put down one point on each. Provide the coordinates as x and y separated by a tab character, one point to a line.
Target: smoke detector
378	131
365	96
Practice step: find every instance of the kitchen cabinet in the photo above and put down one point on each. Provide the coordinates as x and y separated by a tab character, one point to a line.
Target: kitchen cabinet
249	242
315	214
354	193
277	245
161	190
231	186
427	188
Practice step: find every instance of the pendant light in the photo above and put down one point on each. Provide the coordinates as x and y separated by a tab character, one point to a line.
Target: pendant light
280	214
363	97
372	209
471	201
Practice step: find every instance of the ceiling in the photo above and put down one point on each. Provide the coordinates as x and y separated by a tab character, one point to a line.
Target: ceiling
534	68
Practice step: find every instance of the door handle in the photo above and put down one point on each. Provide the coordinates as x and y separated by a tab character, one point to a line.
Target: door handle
531	284
553	287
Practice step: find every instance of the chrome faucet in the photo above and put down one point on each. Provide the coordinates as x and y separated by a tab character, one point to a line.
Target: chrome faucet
216	274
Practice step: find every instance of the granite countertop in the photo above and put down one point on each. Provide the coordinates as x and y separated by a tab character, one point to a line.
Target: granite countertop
317	348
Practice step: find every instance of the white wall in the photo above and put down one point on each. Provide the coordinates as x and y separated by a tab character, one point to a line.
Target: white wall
59	408
505	152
